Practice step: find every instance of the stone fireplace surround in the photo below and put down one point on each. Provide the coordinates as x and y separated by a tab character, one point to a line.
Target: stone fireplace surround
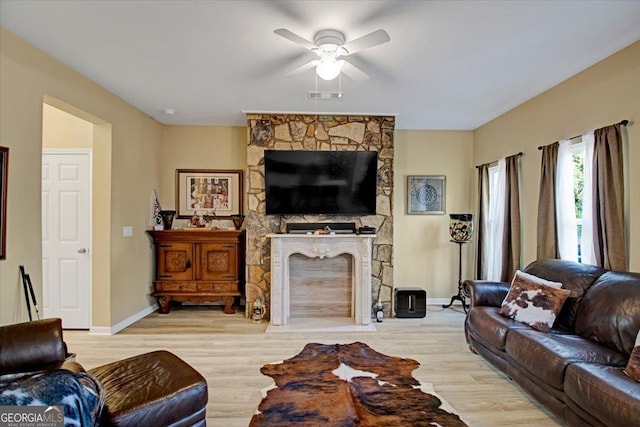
318	132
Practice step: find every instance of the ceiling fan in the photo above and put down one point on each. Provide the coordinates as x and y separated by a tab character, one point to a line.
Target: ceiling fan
330	45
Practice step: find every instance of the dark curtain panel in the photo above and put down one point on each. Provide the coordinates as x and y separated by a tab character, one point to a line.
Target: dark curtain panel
511	230
481	219
547	246
608	200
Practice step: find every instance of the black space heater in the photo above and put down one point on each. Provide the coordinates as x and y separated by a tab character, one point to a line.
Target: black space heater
410	302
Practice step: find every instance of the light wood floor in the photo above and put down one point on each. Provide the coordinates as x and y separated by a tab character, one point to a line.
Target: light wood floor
229	350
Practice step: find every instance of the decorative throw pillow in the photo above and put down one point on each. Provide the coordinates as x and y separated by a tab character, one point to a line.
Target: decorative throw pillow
633	366
534	301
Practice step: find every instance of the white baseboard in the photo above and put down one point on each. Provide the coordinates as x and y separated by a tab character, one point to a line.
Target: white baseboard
105	330
438	301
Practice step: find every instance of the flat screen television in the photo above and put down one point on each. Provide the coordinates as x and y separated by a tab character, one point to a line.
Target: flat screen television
320	182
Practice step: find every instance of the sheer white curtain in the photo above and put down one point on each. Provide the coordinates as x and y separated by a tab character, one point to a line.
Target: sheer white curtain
588	251
565	203
497	184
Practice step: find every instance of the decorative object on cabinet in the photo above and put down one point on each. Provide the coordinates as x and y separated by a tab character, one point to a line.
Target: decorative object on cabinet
167	219
199	266
237	221
4	175
426	194
202	221
218	191
156	218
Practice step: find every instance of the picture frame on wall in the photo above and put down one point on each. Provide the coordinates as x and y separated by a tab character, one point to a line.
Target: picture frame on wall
200	191
4	176
426	194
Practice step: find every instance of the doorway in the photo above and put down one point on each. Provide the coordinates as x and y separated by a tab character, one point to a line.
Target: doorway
67	151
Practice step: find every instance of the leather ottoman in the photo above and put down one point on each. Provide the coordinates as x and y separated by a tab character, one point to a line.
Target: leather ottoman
152	389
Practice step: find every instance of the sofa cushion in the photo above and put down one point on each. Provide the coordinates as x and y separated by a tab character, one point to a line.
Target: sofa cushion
603	391
533	301
546	355
633	366
610	311
574	276
550	397
486	325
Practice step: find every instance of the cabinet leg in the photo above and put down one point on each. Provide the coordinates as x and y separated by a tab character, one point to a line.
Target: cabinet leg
165	304
228	305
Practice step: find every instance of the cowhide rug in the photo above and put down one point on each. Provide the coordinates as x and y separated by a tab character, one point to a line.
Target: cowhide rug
348	385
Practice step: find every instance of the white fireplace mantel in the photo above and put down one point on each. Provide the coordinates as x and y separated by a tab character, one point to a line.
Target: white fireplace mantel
321	246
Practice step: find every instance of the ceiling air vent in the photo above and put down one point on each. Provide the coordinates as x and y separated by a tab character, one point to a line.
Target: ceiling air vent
325	96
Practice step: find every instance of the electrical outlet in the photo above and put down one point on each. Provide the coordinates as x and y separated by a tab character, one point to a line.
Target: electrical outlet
127	231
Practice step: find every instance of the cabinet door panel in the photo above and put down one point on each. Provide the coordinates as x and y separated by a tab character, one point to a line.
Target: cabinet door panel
218	261
175	261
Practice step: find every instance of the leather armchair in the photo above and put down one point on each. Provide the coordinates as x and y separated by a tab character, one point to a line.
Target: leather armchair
156	388
34	346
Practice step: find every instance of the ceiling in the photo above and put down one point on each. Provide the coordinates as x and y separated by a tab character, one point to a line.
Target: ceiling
449	65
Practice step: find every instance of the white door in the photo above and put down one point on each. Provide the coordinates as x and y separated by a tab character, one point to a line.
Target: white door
66	213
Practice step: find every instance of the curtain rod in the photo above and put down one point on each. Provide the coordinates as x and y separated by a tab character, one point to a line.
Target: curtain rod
520	154
622	123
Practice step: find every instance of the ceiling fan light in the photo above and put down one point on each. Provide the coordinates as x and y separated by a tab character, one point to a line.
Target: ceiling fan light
329	68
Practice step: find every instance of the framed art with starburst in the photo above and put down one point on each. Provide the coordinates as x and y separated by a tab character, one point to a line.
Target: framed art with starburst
426	194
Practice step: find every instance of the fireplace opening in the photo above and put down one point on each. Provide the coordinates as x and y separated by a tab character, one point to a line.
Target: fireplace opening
320	288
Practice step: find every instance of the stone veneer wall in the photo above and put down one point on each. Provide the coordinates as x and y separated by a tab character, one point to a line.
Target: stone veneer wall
324	132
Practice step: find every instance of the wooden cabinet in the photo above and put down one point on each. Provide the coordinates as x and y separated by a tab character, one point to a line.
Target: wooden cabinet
199	266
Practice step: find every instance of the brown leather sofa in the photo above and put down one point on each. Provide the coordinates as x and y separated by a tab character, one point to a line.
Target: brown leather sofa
151	389
575	370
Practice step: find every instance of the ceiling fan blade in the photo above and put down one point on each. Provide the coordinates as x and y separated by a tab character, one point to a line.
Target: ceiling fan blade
302	68
354	72
365	42
282	32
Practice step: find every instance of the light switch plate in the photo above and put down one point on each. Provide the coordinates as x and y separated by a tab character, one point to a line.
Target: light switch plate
127	231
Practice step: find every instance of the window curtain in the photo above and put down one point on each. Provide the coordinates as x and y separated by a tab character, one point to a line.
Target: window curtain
510	261
608	199
547	244
482	252
566	222
588	251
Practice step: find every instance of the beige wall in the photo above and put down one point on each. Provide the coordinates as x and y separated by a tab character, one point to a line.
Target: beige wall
27	77
602	95
63	130
423	255
199	147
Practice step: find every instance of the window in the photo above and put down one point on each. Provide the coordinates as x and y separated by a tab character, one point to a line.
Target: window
495	220
573	200
577	155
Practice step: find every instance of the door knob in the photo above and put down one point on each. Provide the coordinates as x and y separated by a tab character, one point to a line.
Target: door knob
82	250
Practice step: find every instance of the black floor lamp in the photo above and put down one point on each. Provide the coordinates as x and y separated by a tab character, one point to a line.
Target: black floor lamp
461	229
